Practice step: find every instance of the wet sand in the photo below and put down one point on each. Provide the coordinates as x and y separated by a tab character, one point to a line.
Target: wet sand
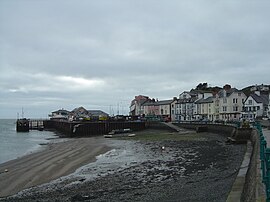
58	159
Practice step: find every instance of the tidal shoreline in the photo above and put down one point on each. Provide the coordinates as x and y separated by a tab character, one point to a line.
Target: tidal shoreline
195	167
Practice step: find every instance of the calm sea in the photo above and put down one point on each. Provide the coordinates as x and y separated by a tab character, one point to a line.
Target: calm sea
14	145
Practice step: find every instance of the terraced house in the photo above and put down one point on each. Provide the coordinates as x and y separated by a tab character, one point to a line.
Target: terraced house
231	102
227	104
257	104
159	108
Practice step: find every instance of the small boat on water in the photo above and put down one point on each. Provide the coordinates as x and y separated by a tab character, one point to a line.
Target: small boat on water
22	125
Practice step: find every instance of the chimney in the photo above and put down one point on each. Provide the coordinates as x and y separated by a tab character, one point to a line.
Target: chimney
227	87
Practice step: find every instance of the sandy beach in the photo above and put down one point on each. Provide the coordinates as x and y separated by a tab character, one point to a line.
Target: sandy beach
56	160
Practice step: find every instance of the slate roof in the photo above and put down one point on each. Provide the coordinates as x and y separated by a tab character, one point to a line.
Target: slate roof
261	99
207	100
162	102
228	92
61	111
97	113
187	100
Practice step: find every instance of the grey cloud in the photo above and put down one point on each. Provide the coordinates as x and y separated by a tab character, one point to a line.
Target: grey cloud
50	51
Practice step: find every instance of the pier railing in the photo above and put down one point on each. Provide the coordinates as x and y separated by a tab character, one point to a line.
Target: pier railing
265	161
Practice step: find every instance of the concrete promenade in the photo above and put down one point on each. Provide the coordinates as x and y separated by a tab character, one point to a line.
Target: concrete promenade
266	133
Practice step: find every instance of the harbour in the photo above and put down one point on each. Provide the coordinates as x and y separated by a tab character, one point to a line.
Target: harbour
78	128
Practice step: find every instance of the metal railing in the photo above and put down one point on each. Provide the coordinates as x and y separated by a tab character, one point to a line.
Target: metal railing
265	161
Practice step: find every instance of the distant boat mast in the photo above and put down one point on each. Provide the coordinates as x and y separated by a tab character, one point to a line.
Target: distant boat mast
22	113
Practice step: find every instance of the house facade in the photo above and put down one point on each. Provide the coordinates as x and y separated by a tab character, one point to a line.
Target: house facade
136	106
165	108
256	106
206	108
174	109
227	104
158	108
151	108
185	106
60	114
231	102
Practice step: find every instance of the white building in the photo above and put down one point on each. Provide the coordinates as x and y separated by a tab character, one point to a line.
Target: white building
230	104
206	108
60	114
256	106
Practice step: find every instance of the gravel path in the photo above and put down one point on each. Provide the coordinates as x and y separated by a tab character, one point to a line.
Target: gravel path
197	169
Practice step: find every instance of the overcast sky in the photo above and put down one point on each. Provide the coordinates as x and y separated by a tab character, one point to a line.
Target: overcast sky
99	54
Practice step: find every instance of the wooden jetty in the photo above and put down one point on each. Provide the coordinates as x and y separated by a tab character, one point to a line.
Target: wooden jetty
24	125
36	125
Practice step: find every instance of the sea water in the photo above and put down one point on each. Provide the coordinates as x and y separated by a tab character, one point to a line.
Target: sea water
15	144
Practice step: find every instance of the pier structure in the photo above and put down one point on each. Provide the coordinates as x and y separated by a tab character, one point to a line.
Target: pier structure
85	128
37	124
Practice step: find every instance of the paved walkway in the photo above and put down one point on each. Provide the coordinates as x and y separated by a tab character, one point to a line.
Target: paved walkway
266	133
177	128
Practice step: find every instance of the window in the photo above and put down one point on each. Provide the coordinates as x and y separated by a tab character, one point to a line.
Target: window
234	100
172	111
250	102
239	94
224	108
224	100
235	108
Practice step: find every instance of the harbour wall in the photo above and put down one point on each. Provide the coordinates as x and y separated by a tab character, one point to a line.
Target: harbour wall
77	129
225	130
253	188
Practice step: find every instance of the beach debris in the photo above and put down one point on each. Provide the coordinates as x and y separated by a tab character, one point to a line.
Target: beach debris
76	127
79	197
108	136
163	148
118	131
4	171
81	180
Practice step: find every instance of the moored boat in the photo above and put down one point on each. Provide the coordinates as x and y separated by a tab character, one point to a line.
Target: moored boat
22	125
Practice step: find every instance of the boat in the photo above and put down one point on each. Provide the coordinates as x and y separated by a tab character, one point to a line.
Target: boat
22	125
120	133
